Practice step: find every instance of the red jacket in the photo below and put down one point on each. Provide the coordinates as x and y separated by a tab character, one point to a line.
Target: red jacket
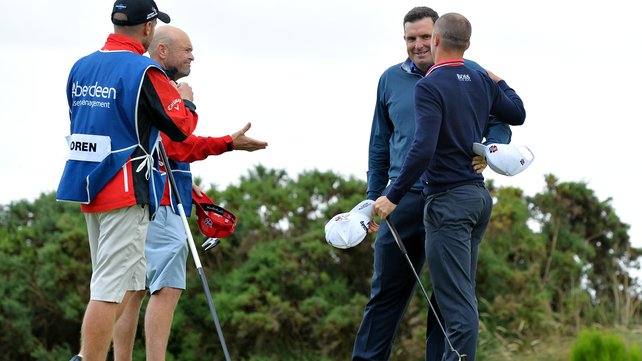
160	105
192	149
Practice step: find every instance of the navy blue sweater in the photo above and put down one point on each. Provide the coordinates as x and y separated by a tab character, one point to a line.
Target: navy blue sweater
452	106
393	126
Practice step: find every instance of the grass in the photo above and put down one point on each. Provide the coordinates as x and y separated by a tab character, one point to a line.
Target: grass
558	348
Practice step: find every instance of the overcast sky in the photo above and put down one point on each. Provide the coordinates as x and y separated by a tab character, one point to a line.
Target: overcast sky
305	72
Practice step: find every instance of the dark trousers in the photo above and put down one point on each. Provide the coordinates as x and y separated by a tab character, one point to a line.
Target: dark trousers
392	283
455	222
435	341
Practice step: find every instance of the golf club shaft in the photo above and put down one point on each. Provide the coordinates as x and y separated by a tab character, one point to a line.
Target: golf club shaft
210	302
190	241
397	238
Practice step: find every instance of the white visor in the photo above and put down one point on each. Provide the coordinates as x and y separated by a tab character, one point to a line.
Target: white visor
346	230
505	159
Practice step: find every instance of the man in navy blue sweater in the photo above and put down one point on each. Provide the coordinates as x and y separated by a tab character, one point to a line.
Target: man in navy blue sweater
393	130
452	105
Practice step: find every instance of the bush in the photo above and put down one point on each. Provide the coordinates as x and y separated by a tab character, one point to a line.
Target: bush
593	345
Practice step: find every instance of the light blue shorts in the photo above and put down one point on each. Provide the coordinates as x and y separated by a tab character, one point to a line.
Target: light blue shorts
166	251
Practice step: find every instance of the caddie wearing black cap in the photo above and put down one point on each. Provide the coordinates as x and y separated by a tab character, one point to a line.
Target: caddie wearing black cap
137	12
119	101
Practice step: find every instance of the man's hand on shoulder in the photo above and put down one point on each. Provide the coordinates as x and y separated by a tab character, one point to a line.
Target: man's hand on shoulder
492	75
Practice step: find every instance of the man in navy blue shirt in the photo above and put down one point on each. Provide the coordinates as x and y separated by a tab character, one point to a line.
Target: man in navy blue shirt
452	105
393	130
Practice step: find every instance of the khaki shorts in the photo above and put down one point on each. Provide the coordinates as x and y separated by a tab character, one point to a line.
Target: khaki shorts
117	244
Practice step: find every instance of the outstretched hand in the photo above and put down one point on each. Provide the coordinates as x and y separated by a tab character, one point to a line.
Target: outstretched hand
243	142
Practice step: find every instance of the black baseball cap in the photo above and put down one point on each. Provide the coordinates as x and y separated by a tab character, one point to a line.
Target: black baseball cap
138	12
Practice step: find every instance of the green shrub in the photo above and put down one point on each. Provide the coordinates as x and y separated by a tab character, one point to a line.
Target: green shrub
593	345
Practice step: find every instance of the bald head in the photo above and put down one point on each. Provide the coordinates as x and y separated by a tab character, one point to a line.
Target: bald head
454	30
171	47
